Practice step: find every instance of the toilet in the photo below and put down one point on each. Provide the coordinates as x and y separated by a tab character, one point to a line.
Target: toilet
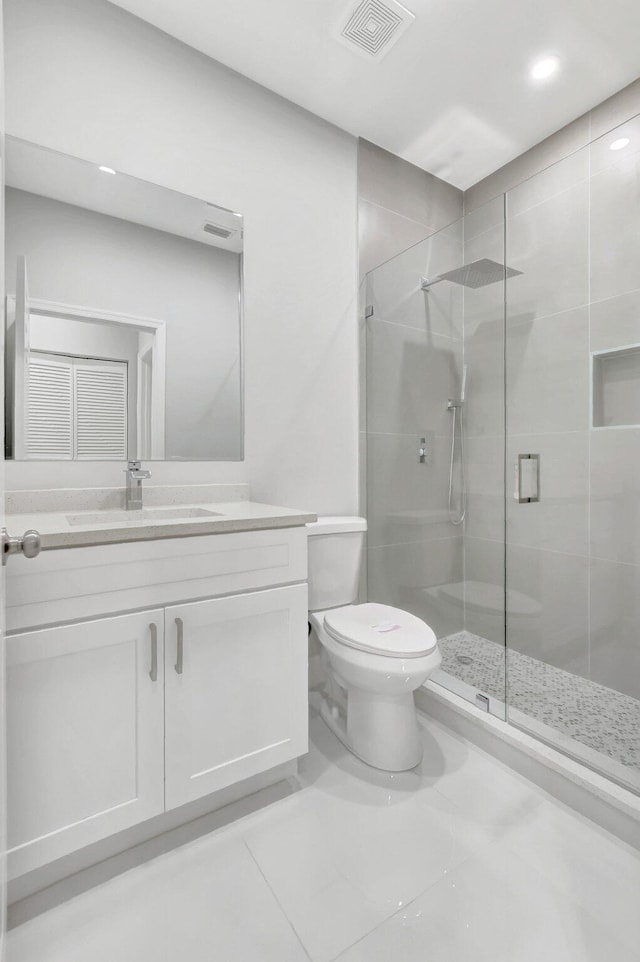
376	656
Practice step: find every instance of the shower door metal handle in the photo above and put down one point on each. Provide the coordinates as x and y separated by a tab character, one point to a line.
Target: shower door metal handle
529	477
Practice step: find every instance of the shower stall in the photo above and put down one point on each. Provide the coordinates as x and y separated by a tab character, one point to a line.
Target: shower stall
501	424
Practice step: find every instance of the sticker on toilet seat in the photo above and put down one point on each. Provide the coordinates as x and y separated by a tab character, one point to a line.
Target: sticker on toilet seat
383	626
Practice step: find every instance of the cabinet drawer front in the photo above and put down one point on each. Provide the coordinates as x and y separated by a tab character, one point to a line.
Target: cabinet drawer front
84	734
236	694
73	583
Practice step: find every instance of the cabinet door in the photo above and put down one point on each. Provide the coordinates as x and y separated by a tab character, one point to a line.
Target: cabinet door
85	734
236	693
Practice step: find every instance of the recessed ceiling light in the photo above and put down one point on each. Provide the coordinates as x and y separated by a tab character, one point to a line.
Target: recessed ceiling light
619	144
107	170
544	68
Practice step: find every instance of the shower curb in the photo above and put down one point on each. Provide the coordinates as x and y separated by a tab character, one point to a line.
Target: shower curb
610	806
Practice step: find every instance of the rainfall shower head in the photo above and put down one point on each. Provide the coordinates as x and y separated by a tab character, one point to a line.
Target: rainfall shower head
477	274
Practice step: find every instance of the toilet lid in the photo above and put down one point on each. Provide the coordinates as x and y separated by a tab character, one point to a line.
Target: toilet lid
381	630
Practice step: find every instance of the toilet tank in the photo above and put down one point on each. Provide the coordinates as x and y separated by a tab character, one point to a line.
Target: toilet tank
335	555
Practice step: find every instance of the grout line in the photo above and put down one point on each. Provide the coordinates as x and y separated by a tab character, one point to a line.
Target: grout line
547	434
526	434
472	853
418	330
397	213
557	193
572	150
458	541
612	297
511	322
276	899
614	561
531	547
395	434
432	232
406	544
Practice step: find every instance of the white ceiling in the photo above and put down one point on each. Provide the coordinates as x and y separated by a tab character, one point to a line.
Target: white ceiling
453	96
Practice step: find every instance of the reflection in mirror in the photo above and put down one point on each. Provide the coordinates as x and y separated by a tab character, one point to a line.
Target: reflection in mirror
123	316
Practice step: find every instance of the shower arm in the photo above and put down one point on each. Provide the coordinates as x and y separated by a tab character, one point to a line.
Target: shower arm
426	282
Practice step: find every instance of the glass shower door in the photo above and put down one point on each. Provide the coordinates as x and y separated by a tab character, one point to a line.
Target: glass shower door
434	436
572	373
413	366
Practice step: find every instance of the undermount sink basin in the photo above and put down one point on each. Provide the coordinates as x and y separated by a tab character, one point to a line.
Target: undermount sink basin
145	514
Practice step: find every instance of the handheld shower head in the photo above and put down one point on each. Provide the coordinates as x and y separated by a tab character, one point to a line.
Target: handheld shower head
456	406
458	402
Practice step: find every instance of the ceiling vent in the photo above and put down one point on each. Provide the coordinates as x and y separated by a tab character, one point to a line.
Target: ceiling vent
373	26
218	231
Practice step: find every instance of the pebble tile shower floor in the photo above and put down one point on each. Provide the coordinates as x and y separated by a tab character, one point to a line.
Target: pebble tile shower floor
599	717
460	860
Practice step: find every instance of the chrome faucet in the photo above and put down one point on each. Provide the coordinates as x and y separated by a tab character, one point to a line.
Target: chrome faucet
135	477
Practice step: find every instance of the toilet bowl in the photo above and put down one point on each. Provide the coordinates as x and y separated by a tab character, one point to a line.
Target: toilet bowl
375	655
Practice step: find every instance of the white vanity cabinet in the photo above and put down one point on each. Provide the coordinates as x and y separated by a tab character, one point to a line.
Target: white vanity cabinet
236	689
85	733
115	717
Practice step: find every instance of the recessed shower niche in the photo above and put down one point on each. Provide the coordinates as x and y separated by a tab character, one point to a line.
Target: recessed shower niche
616	387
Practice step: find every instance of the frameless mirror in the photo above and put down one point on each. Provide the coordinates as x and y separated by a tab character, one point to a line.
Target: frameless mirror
123	316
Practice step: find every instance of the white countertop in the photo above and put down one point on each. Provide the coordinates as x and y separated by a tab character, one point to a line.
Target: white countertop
56	530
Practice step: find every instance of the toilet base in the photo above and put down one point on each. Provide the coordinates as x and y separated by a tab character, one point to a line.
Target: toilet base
381	731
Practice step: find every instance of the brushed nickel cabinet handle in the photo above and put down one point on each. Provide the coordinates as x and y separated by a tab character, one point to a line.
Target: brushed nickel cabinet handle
180	658
153	672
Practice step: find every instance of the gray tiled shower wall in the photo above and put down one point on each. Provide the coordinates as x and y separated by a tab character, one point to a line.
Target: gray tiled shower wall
573	559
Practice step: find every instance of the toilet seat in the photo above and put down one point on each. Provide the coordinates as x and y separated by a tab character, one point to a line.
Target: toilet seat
380	630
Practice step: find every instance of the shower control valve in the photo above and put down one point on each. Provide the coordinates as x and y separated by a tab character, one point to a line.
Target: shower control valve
422	451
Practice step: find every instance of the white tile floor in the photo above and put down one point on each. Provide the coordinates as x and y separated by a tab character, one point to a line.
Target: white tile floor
459	860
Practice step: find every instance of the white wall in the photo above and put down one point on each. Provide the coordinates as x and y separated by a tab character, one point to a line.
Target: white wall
88	79
77	256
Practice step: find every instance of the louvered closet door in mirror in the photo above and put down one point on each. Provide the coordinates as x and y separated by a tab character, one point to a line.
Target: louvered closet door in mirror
49	428
77	409
100	404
